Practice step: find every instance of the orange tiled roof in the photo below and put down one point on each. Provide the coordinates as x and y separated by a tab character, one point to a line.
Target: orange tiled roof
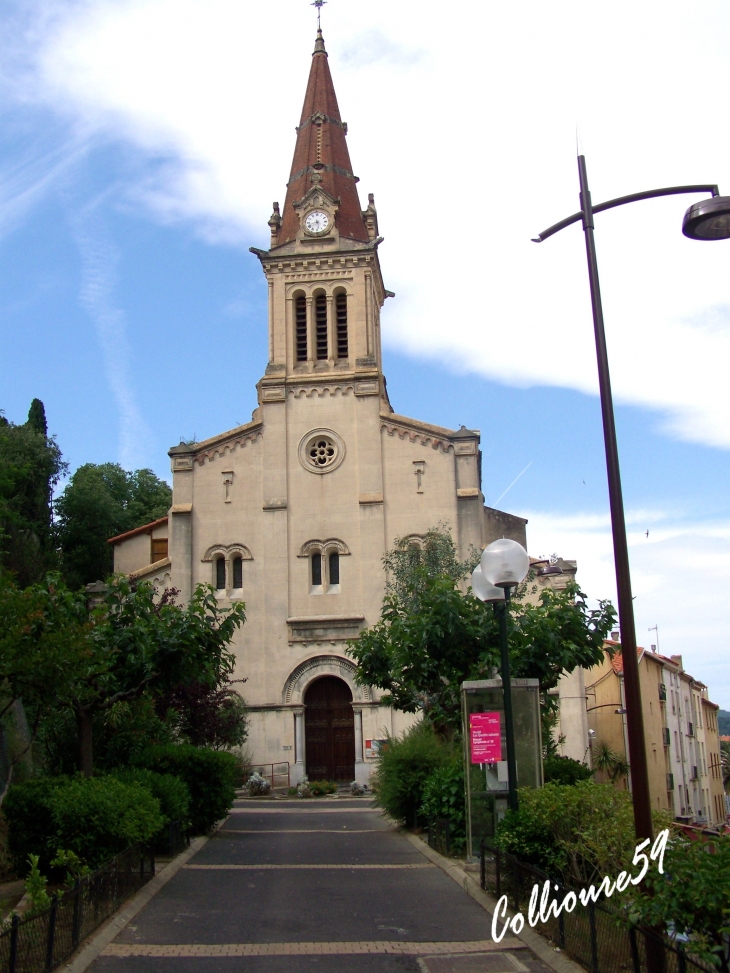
144	529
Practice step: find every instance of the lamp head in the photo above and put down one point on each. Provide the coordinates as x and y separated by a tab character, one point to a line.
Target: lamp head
483	590
708	220
505	563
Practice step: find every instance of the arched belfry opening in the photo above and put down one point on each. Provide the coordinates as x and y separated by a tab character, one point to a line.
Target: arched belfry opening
329	729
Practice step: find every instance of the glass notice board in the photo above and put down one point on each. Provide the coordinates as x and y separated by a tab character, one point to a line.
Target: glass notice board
485	751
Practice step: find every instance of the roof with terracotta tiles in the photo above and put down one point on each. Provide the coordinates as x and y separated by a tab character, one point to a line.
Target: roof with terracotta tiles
322	148
144	529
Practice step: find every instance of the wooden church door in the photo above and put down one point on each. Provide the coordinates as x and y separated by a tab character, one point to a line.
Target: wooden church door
329	729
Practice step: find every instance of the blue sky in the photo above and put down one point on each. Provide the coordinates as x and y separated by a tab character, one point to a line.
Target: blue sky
142	143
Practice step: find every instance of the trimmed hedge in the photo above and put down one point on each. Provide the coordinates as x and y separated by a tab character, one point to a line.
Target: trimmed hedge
96	817
210	776
444	797
405	764
170	791
564	770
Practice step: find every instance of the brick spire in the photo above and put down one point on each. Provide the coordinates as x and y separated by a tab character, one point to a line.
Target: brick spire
321	148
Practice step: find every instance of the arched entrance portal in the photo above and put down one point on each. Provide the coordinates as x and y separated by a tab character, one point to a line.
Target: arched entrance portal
329	730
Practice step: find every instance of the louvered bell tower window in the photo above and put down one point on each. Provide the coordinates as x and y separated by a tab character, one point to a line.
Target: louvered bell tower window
300	324
341	313
320	317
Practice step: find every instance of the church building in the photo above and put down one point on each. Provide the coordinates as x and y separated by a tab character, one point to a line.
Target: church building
293	511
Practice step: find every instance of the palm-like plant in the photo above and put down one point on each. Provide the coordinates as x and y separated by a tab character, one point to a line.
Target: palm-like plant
611	762
725	759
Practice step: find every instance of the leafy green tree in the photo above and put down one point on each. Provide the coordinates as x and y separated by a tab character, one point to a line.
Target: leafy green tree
99	502
30	466
431	637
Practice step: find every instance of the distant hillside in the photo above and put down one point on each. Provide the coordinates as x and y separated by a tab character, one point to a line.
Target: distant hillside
723	722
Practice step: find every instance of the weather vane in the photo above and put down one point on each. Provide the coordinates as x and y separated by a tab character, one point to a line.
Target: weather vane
318	4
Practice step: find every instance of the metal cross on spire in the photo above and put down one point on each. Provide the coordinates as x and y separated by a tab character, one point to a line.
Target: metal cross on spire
318	4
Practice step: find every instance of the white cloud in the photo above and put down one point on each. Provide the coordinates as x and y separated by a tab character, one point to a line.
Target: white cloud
99	258
680	574
465	127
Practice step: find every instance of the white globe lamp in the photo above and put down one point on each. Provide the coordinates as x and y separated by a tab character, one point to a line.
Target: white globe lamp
482	589
505	563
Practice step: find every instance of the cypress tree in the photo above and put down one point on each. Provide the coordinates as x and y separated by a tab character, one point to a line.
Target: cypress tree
37	417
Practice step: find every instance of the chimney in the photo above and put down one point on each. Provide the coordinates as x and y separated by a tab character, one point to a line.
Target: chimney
677	660
615	636
653	648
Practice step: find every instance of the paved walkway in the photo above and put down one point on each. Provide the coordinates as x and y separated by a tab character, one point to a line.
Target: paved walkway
326	885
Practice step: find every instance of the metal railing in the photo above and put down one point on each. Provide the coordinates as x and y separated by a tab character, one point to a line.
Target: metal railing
41	941
173	839
439	835
277	773
597	936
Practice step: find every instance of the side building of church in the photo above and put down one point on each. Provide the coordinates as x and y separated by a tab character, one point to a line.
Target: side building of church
293	511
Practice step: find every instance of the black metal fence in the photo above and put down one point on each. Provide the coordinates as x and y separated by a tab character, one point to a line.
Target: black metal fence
597	935
40	942
439	835
171	840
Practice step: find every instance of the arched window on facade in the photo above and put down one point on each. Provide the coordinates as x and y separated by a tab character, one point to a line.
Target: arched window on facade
333	574
220	573
300	326
320	319
237	566
341	319
316	560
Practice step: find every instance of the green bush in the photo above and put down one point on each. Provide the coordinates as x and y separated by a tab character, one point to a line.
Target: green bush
564	770
95	817
28	810
578	833
320	787
170	791
405	763
444	797
210	776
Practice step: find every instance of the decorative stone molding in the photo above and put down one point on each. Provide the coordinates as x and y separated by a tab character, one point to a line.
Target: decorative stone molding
463	493
307	391
276	503
465	449
228	551
273	393
324	628
435	442
321	451
366	498
323	665
331	544
367	388
181	508
228	446
182	463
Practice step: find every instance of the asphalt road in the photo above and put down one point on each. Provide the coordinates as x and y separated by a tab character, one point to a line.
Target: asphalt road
325	885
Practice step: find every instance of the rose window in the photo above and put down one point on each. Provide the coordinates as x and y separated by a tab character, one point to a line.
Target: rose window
321	451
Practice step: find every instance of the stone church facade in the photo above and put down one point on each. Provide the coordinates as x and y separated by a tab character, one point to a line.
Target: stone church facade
293	511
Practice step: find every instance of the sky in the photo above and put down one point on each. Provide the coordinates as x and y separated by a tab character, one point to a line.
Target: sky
142	143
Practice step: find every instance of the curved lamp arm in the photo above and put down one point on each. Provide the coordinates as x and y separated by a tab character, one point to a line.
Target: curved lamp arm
621	200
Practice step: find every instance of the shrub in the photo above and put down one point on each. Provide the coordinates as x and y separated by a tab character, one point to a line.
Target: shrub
210	776
405	763
94	817
320	787
444	798
28	810
578	833
170	791
98	817
564	770
303	787
256	785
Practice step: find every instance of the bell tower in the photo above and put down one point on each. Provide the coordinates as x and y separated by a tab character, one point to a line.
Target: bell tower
325	284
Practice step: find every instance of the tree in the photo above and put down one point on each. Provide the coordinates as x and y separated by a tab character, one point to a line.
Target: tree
99	502
54	653
206	714
30	466
431	636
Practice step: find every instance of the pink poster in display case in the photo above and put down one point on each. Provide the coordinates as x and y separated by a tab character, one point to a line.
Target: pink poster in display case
485	738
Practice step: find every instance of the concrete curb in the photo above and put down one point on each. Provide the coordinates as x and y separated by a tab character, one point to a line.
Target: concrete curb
556	960
102	937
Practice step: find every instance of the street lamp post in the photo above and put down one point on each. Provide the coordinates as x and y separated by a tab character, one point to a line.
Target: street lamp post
504	564
707	220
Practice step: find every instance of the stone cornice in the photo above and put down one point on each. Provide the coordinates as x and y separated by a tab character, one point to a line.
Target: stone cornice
227	442
437	437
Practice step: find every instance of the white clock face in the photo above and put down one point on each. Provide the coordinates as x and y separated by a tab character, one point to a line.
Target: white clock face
317	222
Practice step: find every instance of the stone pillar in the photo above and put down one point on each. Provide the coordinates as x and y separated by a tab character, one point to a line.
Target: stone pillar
361	770
298	770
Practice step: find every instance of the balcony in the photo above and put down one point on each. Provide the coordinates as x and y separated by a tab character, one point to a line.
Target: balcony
662	692
690	729
670	782
665	735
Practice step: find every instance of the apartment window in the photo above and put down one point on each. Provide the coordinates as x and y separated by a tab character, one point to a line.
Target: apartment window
300	326
237	566
341	314
220	573
320	318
